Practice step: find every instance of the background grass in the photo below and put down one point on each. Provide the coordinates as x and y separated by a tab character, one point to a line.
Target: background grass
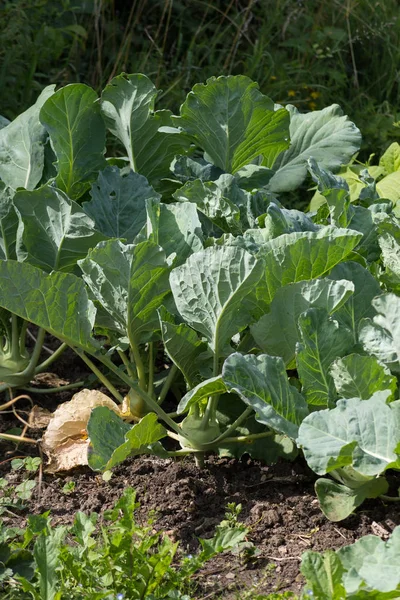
310	53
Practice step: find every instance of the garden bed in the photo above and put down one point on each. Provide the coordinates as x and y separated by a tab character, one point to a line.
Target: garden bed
278	505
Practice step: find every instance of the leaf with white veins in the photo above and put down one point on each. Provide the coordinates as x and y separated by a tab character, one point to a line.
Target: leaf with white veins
305	255
361	376
277	332
209	290
261	382
57	302
363	434
234	123
322	340
22	147
54	232
78	136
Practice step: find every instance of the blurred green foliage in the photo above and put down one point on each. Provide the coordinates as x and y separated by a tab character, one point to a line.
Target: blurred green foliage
310	53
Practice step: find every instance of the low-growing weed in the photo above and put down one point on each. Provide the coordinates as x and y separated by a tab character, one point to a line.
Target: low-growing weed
114	558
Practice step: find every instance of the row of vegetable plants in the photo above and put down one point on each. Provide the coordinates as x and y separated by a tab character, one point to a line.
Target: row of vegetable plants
170	265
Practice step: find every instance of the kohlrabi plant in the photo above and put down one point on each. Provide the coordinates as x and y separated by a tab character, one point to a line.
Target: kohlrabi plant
218	320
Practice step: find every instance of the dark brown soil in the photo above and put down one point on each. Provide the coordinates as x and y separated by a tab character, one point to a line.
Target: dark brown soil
278	504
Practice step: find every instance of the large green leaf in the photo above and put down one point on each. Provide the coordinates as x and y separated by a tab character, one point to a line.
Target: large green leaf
326	135
131	283
118	204
262	383
372	562
277	332
234	123
380	336
324	574
54	232
359	305
305	255
322	340
338	501
357	376
57	302
183	346
150	141
176	228
360	433
22	147
209	291
78	135
112	440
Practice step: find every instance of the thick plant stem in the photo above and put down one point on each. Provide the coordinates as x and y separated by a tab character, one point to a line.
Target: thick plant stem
29	371
54	390
22	337
248	438
211	408
199	460
167	384
141	373
232	427
126	362
46	363
15	347
151	404
390	498
36	352
150	389
101	376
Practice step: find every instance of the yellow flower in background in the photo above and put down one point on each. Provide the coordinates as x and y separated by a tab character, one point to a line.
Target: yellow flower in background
312	105
315	95
273	78
291	93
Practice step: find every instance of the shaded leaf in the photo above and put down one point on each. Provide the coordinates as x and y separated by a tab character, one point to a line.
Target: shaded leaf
54	232
118	204
277	332
112	440
183	346
338	501
210	387
57	302
359	305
